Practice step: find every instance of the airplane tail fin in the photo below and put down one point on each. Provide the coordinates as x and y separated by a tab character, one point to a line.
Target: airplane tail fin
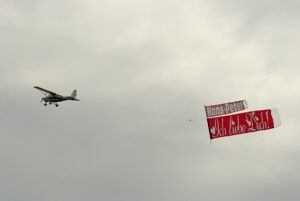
74	93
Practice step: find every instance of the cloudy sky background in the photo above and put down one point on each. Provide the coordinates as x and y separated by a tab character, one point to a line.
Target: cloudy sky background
157	63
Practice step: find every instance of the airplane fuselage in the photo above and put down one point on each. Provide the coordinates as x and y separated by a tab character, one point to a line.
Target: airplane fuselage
54	99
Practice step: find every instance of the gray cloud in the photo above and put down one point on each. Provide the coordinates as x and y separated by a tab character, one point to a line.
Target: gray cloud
142	69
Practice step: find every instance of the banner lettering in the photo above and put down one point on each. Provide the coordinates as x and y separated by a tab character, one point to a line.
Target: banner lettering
243	123
226	108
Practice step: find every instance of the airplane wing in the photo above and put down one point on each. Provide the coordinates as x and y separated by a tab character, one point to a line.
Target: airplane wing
46	91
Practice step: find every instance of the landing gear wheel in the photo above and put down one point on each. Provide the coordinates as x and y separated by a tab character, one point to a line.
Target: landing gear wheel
56	105
45	104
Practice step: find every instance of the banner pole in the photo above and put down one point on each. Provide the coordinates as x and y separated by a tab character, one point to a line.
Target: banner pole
207	124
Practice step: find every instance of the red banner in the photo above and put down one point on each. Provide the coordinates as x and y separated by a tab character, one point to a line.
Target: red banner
243	123
226	108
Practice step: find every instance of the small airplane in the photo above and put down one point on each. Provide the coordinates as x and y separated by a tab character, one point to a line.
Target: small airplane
52	97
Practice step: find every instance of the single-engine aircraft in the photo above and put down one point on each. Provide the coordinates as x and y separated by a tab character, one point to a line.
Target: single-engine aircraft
52	97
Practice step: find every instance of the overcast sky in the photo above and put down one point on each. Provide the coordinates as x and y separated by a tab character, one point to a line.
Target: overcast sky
142	68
